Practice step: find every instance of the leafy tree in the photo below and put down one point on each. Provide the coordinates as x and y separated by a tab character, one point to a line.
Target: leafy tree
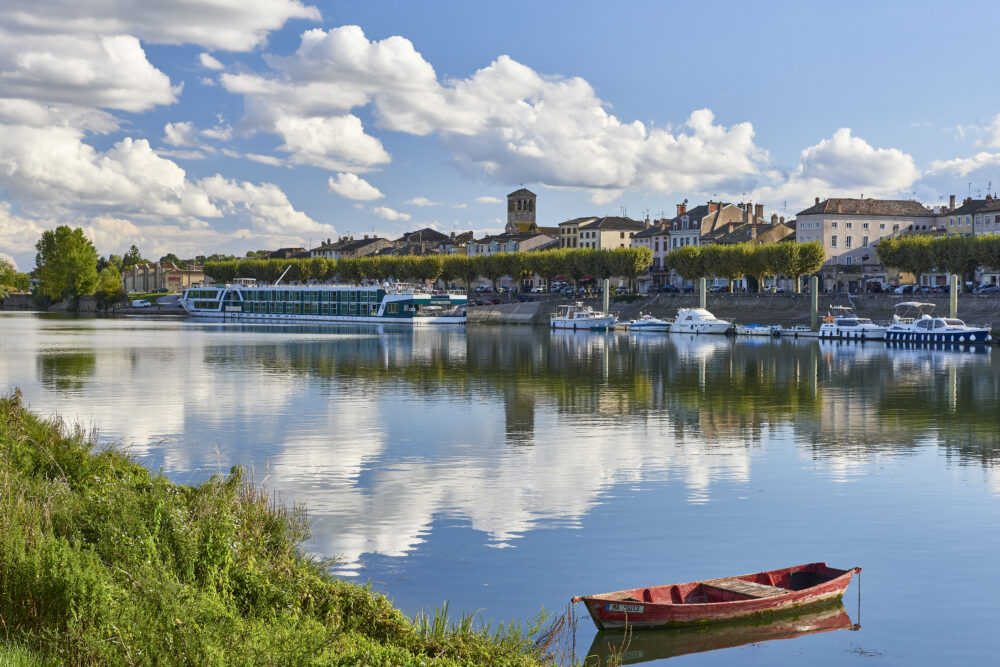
109	286
11	278
988	250
809	258
318	267
956	254
912	254
66	263
492	267
427	269
465	268
687	262
132	257
760	262
630	262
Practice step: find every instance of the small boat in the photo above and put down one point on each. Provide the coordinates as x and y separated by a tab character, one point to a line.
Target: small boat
913	323
797	331
698	320
754	330
622	647
848	325
647	322
580	316
718	600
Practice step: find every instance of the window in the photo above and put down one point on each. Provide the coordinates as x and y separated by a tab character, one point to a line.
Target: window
864	241
864	225
968	219
895	227
848	241
833	241
881	225
849	225
833	225
621	235
848	260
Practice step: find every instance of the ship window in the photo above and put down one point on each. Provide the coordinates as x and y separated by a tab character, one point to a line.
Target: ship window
938	324
392	308
924	324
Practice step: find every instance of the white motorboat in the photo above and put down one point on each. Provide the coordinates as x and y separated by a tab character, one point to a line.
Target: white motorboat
580	316
847	325
647	322
754	330
913	323
797	331
699	320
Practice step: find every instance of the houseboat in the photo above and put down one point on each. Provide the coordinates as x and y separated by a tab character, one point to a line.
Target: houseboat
399	304
842	322
913	323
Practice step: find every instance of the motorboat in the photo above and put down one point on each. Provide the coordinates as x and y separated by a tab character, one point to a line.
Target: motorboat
841	322
698	321
718	600
580	316
647	322
797	331
754	330
913	323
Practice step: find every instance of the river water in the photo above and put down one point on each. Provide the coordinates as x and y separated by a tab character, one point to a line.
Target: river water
506	469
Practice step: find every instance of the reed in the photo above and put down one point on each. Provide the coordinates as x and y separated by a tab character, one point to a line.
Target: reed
104	562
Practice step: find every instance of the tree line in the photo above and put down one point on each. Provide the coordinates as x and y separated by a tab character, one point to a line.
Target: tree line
547	264
960	255
739	260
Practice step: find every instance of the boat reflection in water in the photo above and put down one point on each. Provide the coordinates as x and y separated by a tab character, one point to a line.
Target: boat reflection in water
624	647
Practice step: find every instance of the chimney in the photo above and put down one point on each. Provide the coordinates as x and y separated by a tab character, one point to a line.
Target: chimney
366	237
712	206
774	218
840	207
817	200
746	213
759	212
453	235
781	220
646	224
951	202
681	209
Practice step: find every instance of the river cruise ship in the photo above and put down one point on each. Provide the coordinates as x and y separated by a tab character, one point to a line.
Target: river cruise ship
400	304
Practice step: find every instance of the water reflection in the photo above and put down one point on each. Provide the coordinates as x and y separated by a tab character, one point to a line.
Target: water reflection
66	371
630	648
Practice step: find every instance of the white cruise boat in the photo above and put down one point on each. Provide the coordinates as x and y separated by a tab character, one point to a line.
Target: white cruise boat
399	304
698	321
647	322
755	330
916	325
847	325
580	316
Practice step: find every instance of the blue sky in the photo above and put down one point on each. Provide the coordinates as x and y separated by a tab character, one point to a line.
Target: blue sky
211	126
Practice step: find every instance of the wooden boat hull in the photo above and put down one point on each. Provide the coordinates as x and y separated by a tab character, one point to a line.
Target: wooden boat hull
622	647
718	600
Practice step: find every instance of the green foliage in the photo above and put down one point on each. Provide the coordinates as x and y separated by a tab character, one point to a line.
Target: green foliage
103	562
132	257
744	259
66	263
687	261
11	278
109	286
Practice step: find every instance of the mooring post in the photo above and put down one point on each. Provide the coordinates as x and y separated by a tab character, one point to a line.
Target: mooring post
814	303
953	300
703	300
606	288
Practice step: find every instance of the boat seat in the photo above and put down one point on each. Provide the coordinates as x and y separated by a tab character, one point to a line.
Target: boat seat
750	588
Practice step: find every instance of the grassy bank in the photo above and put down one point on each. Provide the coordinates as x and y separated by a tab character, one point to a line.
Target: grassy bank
103	562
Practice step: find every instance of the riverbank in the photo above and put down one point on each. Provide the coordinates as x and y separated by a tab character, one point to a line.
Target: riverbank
104	562
783	309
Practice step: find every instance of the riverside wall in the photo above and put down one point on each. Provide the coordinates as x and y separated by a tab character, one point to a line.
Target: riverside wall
783	309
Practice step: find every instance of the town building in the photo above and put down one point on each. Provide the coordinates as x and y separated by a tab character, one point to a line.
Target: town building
491	245
349	247
288	253
609	233
149	277
569	231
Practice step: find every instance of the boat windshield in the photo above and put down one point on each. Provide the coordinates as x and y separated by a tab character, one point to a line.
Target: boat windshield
954	323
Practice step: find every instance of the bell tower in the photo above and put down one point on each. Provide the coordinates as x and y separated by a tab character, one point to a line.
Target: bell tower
520	211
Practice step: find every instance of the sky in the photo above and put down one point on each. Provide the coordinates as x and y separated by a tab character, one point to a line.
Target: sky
214	126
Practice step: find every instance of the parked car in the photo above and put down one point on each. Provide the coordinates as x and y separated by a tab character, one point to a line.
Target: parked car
140	303
525	297
904	289
989	288
669	289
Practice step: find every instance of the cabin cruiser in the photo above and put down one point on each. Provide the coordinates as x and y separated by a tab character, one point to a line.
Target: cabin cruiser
580	316
913	323
755	330
842	322
647	322
698	320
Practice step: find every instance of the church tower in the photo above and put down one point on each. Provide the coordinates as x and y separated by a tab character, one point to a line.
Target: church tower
521	211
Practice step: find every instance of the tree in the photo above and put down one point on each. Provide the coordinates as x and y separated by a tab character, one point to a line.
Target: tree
318	268
132	257
809	258
956	254
630	262
686	262
760	262
11	279
109	286
66	263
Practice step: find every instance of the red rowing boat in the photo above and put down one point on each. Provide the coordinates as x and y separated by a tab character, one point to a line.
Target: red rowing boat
718	600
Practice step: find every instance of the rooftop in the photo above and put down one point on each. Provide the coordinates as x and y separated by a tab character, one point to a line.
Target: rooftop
887	207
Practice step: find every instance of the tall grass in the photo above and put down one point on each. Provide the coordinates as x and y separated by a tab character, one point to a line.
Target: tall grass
102	562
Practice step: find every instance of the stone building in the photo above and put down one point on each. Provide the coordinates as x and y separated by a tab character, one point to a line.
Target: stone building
149	277
520	211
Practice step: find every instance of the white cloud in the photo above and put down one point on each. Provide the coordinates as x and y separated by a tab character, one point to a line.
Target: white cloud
965	166
180	134
19	234
506	120
489	200
844	166
390	214
213	24
266	159
459	205
992	134
208	62
352	186
109	71
220	132
421	201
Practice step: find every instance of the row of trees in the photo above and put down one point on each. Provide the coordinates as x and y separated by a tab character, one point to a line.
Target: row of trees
739	260
960	255
548	264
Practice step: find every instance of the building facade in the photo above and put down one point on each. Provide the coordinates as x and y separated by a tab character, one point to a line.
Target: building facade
148	277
